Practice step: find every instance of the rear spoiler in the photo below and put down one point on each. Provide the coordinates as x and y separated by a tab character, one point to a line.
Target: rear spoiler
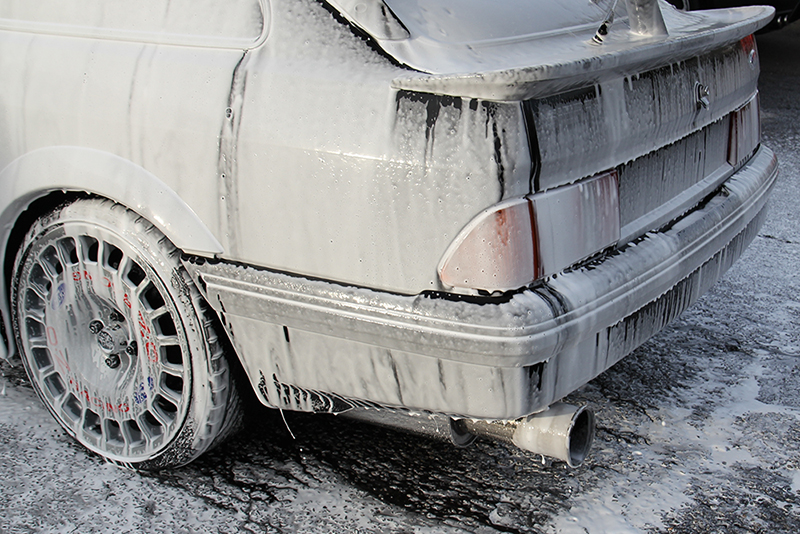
560	61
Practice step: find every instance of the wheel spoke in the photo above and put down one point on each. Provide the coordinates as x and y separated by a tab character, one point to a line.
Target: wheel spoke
51	262
38	291
152	299
43	363
35	292
54	385
67	251
139	290
134	437
36	330
171	387
171	358
61	401
159	418
73	410
40	279
92	426
112	433
122	268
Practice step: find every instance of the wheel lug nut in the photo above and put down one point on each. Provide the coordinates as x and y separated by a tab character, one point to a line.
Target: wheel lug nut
95	327
113	361
131	348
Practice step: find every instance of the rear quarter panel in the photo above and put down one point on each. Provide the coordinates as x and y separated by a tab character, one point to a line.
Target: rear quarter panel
297	155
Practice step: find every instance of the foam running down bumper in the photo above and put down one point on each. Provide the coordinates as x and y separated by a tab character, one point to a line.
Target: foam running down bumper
317	346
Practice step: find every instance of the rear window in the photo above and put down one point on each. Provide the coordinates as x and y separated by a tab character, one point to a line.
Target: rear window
228	22
470	21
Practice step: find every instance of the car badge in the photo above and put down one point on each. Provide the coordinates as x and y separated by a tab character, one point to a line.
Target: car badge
701	94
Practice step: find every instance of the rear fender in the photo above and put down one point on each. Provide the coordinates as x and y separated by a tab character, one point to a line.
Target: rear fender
66	168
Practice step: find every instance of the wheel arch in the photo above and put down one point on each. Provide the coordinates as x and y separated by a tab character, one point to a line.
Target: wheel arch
41	179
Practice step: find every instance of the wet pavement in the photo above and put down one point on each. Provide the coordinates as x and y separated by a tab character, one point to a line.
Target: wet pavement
698	430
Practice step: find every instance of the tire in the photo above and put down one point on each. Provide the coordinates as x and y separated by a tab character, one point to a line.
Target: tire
117	340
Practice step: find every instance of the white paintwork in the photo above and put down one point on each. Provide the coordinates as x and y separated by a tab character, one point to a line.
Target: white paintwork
70	168
332	118
239	24
373	16
645	18
289	144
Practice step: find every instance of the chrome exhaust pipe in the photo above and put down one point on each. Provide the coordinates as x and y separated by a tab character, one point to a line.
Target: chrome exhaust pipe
431	425
562	431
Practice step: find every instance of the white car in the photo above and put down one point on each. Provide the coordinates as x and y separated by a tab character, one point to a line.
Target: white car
440	216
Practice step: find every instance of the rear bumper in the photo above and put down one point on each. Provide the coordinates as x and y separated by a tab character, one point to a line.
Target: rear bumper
317	346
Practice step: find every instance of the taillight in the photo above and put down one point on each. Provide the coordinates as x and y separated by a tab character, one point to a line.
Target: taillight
516	242
749	47
496	251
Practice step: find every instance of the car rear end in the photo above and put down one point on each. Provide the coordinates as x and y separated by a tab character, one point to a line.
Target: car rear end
647	180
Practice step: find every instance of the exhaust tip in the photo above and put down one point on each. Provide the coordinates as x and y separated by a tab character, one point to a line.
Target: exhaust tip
580	436
562	431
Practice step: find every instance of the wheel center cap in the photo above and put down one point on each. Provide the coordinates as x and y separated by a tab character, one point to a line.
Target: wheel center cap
112	339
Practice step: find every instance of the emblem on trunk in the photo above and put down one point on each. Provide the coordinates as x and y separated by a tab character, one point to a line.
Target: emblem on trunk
701	94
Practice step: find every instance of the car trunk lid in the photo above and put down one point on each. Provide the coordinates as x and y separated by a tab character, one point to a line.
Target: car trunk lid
520	49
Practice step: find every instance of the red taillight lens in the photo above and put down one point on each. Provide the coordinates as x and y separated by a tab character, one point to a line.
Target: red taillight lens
516	242
748	44
495	251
